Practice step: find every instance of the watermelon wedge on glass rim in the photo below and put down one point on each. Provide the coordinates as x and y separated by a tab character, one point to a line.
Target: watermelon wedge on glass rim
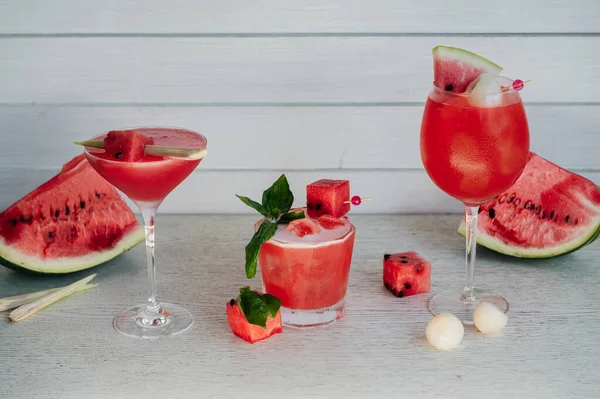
548	212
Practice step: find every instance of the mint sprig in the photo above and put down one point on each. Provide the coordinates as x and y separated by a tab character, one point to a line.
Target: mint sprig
276	203
256	307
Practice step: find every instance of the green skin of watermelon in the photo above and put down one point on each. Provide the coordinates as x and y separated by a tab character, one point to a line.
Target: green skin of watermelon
39	235
521	229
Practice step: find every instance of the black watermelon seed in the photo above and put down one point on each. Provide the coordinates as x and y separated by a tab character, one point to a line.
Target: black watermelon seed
544	215
492	213
552	215
386	256
400	294
13	222
67	210
511	198
403	257
386	285
232	302
50	234
82	204
567	218
56	213
22	219
318	207
404	261
98	195
527	204
118	155
394	291
407	286
449	88
309	205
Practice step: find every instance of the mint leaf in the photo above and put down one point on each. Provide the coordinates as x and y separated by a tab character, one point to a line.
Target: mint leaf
257	307
278	198
253	204
288	217
263	234
273	304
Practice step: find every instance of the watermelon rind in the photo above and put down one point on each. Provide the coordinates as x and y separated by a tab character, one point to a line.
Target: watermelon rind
538	253
466	56
17	260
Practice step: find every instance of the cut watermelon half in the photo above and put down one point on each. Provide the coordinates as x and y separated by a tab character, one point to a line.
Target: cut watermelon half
455	68
549	211
74	221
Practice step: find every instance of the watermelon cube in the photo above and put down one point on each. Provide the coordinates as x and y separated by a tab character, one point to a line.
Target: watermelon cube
251	332
406	274
126	145
327	197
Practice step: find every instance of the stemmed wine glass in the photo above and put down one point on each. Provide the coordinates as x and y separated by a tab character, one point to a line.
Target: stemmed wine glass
473	147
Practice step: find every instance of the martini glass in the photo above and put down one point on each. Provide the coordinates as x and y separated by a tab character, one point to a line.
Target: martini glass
473	147
147	183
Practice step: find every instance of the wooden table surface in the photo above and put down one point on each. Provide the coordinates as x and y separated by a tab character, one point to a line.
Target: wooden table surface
550	348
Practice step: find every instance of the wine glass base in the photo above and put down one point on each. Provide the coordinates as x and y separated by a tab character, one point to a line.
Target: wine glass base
450	301
140	322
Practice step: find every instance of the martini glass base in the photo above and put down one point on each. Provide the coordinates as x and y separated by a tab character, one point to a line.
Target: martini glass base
142	322
452	301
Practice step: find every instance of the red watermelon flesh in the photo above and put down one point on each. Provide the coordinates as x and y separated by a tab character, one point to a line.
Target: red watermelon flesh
454	68
303	227
406	274
73	221
327	197
251	332
549	211
330	223
126	145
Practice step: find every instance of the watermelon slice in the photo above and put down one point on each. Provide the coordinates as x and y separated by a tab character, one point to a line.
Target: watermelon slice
327	197
126	145
454	68
254	316
549	211
74	221
406	274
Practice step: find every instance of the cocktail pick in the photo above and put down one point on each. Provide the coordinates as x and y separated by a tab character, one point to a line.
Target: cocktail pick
357	200
517	85
157	150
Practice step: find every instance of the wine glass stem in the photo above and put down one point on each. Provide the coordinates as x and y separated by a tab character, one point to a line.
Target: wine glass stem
471	213
148	215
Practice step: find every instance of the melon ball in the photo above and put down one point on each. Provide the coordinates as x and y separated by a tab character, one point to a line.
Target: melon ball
444	331
488	318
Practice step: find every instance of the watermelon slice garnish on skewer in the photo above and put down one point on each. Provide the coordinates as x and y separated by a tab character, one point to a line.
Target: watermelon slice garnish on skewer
549	211
455	68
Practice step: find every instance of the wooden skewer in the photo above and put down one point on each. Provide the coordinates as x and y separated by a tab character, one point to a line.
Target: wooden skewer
27	310
157	150
13	302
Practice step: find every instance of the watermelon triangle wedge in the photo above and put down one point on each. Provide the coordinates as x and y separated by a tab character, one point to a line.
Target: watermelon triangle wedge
74	221
548	212
455	68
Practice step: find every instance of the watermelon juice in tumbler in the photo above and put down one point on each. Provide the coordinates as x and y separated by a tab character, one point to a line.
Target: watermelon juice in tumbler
146	164
304	255
474	146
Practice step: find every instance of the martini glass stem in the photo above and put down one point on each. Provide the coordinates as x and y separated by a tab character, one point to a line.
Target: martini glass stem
468	294
148	214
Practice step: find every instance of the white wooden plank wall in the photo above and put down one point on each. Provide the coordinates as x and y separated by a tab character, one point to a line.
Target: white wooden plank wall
329	88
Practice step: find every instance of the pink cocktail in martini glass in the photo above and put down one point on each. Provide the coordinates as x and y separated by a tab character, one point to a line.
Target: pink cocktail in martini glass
147	181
